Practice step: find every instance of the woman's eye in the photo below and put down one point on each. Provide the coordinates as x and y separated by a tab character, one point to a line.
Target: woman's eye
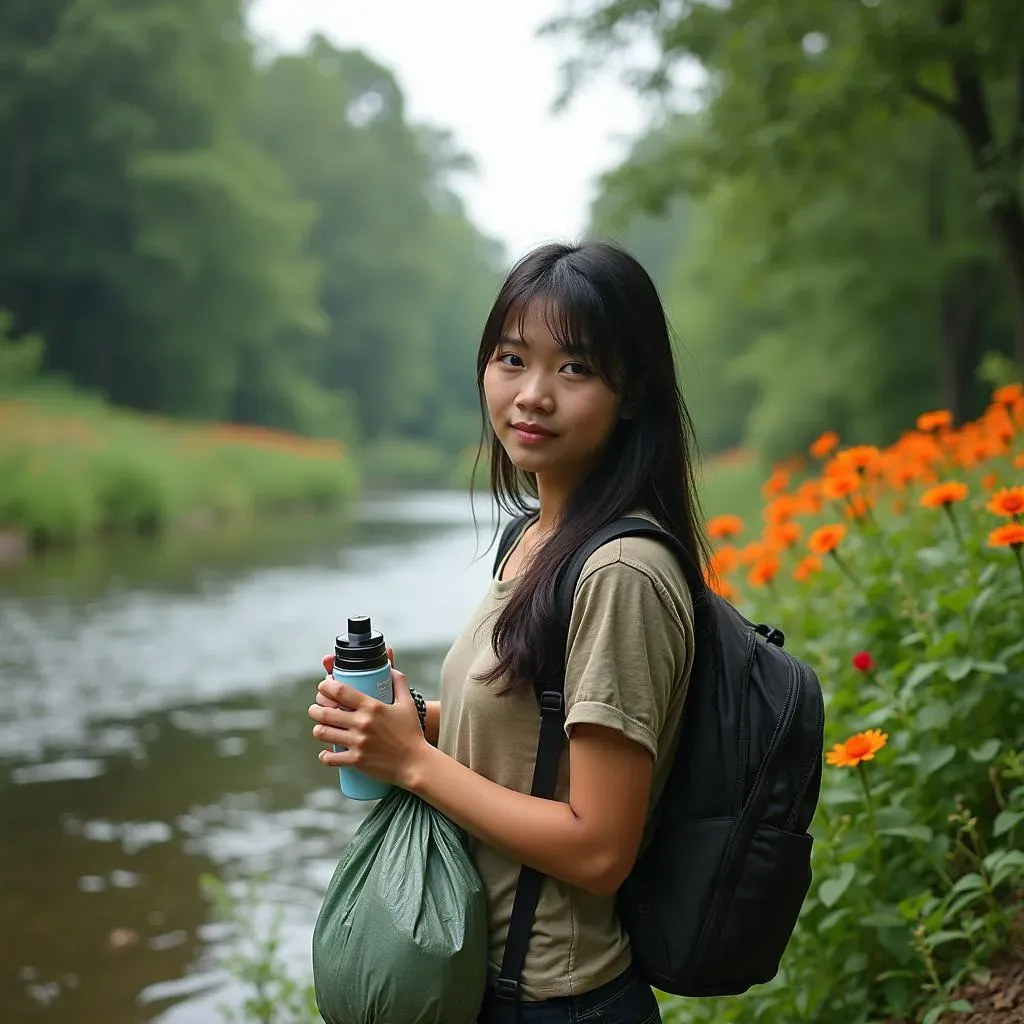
504	357
577	369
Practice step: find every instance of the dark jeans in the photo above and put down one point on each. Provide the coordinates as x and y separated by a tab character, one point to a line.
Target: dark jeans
626	1000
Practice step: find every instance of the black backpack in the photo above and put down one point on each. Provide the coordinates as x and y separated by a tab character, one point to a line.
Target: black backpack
713	898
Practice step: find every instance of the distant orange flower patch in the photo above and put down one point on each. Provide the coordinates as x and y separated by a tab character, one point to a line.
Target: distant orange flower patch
857	749
724	527
1009	536
825	444
826	539
1007	502
944	495
930	422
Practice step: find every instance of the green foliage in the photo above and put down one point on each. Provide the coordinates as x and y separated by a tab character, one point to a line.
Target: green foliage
201	231
272	993
72	468
20	359
918	864
849	258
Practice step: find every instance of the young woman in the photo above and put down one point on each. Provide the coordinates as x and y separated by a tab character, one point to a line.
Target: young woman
576	374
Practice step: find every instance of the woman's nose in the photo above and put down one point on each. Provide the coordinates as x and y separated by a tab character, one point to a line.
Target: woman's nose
534	395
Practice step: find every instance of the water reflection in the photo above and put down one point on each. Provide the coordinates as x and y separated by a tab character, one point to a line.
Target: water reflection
152	730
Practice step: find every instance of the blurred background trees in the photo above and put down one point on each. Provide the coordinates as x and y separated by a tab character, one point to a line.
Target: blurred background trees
198	228
832	211
853	242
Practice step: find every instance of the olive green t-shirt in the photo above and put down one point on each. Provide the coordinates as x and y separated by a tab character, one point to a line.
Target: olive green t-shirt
628	660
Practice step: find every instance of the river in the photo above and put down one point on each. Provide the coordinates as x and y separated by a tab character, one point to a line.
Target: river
153	729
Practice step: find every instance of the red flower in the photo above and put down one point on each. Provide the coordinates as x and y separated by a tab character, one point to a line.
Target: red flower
863	662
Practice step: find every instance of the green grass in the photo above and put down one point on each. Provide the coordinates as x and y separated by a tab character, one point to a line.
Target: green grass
73	468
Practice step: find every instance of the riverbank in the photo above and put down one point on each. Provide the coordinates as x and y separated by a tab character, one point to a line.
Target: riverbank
74	469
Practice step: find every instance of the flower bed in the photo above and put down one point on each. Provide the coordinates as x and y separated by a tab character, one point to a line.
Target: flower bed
898	575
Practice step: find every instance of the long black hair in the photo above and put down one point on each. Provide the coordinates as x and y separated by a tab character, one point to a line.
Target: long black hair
599	300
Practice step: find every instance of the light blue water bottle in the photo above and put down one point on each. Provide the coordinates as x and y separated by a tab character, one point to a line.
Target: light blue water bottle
361	661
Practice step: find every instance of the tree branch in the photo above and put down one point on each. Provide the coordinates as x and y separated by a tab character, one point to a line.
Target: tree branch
1017	135
931	98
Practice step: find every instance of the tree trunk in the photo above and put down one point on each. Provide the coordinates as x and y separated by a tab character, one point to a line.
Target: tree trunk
1007	219
959	305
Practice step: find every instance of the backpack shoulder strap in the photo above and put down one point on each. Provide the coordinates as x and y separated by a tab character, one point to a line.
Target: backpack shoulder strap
512	532
552	735
627	526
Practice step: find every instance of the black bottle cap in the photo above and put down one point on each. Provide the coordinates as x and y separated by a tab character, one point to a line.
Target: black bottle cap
360	649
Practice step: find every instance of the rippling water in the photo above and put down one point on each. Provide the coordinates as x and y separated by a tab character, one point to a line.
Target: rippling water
153	729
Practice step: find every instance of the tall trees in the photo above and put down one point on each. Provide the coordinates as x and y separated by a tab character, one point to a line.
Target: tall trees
864	241
196	231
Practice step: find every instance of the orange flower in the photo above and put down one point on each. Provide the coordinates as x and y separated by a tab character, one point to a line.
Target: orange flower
722	588
783	508
1009	536
931	422
858	508
838	487
723	527
808	497
861	747
826	539
859	458
807	567
944	494
753	552
783	535
724	560
1011	394
775	484
1007	502
764	571
825	444
1018	461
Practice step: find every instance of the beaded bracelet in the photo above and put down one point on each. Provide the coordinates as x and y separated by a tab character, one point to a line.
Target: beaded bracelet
421	708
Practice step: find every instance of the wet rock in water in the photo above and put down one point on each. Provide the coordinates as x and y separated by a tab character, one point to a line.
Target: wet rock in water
14	546
123	938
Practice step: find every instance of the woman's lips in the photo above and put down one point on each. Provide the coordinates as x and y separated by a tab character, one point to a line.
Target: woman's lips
531	436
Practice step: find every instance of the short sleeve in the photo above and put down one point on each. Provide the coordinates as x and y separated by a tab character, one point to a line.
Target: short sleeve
626	651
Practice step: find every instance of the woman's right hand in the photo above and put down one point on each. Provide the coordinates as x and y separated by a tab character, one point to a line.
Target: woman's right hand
328	661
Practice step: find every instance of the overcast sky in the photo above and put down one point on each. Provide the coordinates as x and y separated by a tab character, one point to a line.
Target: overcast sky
477	67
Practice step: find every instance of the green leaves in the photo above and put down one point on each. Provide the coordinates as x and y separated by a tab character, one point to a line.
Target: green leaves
830	891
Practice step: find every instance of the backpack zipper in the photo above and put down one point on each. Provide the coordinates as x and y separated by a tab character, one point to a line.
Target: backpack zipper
757	798
790	822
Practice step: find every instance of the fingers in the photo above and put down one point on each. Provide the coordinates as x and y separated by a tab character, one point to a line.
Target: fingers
401	686
325	701
338	737
328	660
336	758
346	696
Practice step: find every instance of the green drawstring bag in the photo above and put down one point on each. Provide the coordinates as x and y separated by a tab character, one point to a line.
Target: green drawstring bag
402	933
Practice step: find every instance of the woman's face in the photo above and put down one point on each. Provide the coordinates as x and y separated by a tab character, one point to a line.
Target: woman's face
552	412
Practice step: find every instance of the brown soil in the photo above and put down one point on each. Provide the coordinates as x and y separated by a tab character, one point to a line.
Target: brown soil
1001	1001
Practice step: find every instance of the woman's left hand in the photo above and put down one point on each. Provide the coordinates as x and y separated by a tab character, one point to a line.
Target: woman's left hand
381	739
